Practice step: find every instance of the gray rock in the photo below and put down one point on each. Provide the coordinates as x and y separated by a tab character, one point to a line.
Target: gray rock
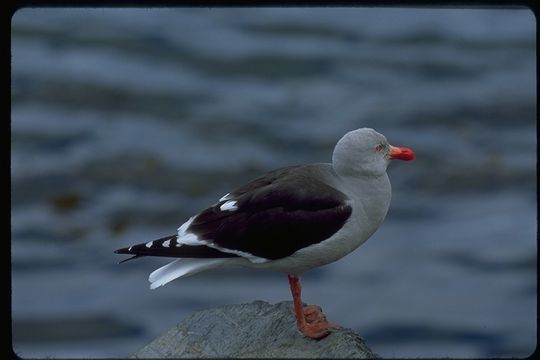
255	330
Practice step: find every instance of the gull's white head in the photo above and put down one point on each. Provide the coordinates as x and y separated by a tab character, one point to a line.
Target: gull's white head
365	152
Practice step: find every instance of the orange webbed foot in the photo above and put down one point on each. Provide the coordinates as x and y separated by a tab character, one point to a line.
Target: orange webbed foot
318	330
314	314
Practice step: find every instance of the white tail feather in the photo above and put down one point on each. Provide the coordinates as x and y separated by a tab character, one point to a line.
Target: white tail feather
181	268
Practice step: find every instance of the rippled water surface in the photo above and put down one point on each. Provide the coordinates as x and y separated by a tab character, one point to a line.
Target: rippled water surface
125	122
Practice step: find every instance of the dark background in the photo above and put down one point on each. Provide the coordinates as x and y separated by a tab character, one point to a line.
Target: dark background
125	122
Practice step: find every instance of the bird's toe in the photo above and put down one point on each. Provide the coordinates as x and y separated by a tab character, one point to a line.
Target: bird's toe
314	314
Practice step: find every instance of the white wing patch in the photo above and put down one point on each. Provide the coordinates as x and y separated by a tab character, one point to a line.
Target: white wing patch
166	243
225	197
190	239
229	206
187	238
183	228
149	244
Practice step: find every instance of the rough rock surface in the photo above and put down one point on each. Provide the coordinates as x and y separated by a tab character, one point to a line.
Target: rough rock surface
254	330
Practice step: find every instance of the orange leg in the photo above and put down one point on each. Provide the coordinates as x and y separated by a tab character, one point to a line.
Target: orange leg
310	320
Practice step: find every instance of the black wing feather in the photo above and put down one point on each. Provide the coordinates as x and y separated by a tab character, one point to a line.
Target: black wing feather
184	251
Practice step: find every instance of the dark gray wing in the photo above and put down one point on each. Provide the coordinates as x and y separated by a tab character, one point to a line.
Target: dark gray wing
275	215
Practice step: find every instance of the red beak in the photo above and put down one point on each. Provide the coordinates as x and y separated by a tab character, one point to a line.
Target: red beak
401	153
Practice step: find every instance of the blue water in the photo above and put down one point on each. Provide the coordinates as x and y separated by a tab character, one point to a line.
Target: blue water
125	122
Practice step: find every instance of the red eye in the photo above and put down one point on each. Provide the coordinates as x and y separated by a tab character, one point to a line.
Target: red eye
379	147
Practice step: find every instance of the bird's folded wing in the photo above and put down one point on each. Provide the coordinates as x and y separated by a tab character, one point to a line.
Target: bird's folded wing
273	216
269	218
